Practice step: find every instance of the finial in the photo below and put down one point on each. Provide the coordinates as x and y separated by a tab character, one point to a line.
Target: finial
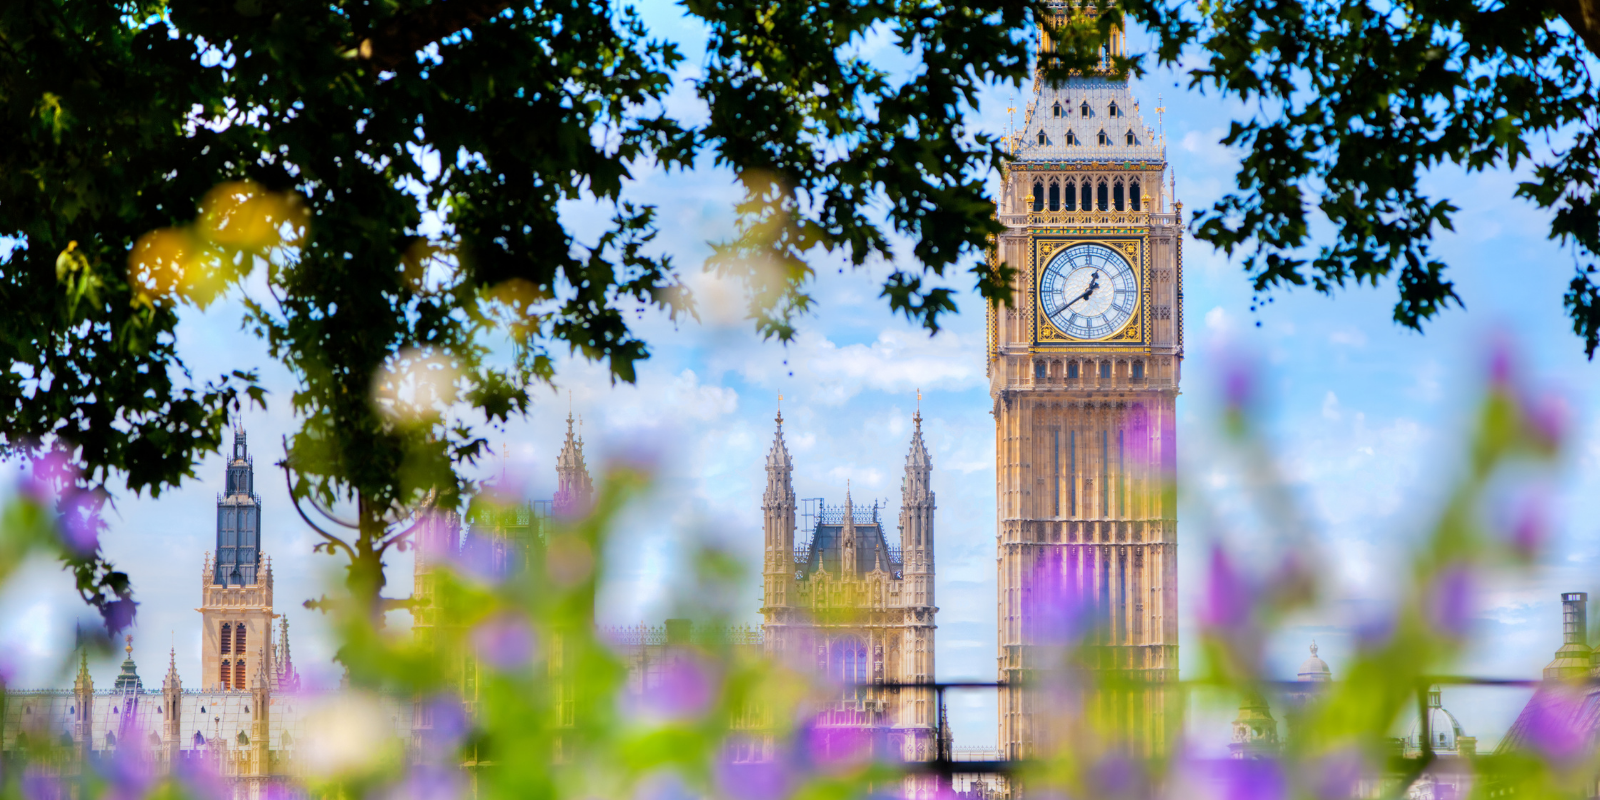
1313	647
917	417
780	409
129	648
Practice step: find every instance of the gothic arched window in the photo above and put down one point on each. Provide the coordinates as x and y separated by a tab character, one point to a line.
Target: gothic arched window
1114	111
1072	370
1116	196
1138	370
1069	194
238	639
226	677
238	674
1131	140
1104	139
1083	110
1038	370
1056	110
1072	138
1105	367
850	658
1133	195
1102	204
1041	137
1038	196
1087	202
1055	197
227	638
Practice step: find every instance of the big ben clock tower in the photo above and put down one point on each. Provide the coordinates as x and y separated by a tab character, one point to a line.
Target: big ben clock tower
1083	368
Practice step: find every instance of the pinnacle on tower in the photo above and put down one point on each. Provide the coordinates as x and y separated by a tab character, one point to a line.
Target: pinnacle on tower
572	474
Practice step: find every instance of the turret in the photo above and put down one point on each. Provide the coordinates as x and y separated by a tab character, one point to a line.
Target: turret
847	537
172	717
1255	732
83	709
916	517
574	488
238	520
778	513
287	677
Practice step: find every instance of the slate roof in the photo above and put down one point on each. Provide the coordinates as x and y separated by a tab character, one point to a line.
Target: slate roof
1099	94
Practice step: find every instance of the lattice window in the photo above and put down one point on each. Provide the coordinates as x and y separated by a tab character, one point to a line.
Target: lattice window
238	674
238	639
227	638
227	675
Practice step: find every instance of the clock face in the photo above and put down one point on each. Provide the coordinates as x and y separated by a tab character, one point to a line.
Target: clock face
1088	291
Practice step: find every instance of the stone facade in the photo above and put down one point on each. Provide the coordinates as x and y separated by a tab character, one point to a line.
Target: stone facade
1084	389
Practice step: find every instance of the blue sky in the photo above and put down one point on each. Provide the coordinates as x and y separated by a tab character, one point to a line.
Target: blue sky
1365	419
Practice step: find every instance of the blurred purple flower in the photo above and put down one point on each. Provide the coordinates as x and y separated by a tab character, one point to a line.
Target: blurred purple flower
38	785
1338	775
687	688
753	780
481	558
429	782
1227	597
505	641
128	773
663	785
1058	609
1547	416
448	725
835	748
1551	724
199	778
1253	779
1238	383
1114	775
1502	364
1450	600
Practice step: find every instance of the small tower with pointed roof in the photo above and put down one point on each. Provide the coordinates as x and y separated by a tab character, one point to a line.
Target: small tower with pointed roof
83	708
778	518
172	710
574	487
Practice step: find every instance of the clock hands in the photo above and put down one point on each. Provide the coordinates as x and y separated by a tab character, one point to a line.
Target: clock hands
1094	283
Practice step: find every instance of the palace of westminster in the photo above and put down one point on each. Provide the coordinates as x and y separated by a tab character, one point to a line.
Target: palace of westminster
1084	368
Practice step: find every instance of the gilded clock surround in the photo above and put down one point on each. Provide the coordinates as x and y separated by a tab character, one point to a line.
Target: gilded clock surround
1134	333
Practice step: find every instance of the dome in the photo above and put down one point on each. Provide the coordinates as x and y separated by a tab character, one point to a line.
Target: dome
1315	669
1442	726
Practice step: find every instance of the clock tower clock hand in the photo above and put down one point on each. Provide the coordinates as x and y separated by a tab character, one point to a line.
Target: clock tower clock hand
1094	283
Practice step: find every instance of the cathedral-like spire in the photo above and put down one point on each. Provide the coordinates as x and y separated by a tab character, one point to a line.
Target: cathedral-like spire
238	519
128	680
847	536
172	681
572	474
779	467
288	679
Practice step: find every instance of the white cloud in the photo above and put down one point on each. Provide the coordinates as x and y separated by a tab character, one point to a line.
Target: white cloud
1330	408
1349	337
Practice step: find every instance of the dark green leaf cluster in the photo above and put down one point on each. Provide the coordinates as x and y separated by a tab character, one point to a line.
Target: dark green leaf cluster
1355	101
422	151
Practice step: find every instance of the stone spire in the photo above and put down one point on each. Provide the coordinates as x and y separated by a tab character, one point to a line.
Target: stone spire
916	517
172	707
847	536
288	679
83	702
574	486
778	513
260	715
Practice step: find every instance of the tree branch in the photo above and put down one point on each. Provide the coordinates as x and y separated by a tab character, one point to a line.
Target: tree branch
1583	16
398	38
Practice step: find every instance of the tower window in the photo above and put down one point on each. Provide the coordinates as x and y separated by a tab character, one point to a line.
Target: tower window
1072	370
1131	140
1105	369
1088	197
238	639
1133	195
1083	110
1069	194
238	674
1055	197
1041	137
1038	196
1116	196
1072	138
1104	139
1038	370
1102	205
227	638
1056	110
1113	111
1138	370
227	676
